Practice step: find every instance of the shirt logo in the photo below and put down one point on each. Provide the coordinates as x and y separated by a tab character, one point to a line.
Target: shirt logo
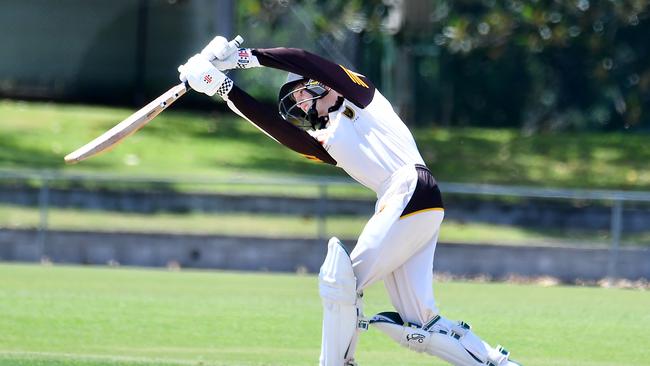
348	112
207	78
355	77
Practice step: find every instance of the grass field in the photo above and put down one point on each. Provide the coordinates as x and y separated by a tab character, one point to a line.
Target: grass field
289	226
192	145
83	316
38	135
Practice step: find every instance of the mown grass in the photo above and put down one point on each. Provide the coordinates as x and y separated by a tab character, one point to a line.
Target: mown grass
192	146
289	226
177	143
36	135
82	316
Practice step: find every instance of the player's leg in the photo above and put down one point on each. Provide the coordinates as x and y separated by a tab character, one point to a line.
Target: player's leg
417	325
387	242
381	248
410	286
338	291
340	286
453	342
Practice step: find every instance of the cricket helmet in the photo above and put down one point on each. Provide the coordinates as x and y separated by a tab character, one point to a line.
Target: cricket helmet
288	106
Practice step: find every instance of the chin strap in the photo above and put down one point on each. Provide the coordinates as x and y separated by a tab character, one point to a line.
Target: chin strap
318	123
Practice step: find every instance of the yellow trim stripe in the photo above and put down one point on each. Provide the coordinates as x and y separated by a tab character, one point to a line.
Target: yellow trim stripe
355	77
313	158
423	210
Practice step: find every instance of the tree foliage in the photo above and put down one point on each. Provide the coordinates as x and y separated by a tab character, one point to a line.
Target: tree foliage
538	64
568	64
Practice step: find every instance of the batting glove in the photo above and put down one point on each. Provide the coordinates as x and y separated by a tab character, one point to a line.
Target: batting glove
217	48
204	77
242	59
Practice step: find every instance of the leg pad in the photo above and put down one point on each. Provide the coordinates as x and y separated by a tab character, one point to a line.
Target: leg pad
452	342
338	290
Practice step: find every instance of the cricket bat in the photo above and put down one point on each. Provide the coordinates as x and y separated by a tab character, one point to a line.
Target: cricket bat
139	119
129	126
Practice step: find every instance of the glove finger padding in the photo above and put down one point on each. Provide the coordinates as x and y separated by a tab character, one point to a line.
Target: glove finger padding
203	76
215	48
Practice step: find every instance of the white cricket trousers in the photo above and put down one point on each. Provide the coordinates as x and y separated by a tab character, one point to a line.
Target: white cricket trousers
400	250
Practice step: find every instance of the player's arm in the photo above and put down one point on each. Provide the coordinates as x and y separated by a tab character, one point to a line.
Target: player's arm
353	86
268	120
205	78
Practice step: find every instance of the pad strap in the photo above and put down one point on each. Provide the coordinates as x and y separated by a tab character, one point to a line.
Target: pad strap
363	324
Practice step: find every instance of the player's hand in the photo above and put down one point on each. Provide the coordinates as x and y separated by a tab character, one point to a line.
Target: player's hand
243	58
204	77
217	48
220	48
226	55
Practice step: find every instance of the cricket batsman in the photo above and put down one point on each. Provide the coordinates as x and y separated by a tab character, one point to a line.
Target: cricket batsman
331	114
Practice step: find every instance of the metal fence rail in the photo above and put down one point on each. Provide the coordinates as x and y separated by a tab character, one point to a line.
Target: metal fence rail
44	179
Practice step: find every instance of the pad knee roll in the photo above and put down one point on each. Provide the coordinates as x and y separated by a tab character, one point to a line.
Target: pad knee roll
336	280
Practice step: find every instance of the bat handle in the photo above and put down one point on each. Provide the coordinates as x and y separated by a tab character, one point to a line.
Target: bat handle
237	41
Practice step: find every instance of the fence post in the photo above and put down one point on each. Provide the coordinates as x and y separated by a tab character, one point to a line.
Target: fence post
43	205
616	228
322	211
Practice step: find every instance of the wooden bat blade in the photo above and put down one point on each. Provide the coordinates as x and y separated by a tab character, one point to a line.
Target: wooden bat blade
129	126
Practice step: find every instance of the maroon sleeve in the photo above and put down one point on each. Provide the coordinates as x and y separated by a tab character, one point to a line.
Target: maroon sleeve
353	86
269	120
